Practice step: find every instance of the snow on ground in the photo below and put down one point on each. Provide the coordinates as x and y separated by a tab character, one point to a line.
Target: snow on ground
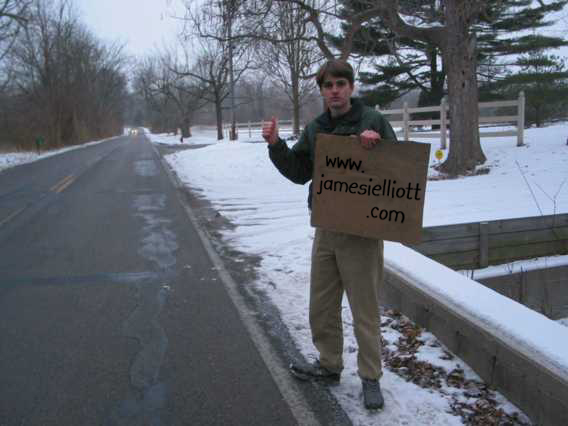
202	138
11	159
517	266
273	221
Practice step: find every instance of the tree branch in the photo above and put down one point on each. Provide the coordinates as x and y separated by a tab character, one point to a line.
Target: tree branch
388	10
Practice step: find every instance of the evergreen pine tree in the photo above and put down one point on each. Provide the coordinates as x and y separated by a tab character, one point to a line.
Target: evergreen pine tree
401	65
544	79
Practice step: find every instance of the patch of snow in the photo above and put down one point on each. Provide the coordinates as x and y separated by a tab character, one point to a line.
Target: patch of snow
517	266
12	159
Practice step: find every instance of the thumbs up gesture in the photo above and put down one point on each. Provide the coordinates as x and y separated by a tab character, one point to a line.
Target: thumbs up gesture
270	130
369	138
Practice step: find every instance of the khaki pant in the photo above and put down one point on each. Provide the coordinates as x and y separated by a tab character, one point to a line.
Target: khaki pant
342	262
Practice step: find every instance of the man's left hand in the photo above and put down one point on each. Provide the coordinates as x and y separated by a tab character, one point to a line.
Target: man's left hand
369	138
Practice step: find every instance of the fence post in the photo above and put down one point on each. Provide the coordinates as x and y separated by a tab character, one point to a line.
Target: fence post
483	244
443	123
521	119
250	134
405	118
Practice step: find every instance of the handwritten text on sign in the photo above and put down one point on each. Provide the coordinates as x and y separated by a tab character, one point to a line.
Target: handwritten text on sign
377	193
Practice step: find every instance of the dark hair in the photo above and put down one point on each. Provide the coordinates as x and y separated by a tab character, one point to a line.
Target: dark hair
336	68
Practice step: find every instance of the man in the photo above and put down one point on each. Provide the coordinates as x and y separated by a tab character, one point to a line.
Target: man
340	262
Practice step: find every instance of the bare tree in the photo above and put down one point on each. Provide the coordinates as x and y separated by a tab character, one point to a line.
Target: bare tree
212	71
288	55
13	18
186	92
65	85
253	90
149	80
219	25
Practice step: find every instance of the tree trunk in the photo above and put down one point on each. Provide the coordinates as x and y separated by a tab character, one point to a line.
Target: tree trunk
459	55
260	100
185	128
296	104
219	116
437	80
233	136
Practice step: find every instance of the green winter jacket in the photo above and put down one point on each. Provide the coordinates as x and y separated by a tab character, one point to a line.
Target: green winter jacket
297	163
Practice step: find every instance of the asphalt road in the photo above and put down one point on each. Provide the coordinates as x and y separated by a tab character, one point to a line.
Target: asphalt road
111	311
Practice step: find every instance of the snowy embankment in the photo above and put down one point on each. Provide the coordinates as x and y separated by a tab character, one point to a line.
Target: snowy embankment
273	222
12	159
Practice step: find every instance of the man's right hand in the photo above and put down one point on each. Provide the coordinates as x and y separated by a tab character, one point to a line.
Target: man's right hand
270	131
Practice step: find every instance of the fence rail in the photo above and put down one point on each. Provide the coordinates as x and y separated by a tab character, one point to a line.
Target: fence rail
255	127
479	244
444	121
406	123
252	127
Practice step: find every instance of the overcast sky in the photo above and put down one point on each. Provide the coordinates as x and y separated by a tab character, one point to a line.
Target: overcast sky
146	25
143	25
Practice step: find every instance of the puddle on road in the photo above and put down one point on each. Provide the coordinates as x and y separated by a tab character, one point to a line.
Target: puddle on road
158	242
146	168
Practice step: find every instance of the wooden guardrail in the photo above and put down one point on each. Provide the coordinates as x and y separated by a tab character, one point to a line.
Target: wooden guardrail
406	123
479	244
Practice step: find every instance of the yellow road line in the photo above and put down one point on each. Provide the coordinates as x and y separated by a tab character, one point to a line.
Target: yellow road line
62	184
66	184
11	216
58	187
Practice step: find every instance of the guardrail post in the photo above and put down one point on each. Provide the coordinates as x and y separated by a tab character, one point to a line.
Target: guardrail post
406	118
483	244
521	119
443	123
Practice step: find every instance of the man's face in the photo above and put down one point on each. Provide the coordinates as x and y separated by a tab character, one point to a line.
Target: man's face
337	92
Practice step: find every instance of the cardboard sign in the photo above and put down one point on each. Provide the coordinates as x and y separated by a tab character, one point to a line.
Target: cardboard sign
374	193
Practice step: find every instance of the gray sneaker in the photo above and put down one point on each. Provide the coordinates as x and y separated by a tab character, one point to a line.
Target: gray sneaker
372	396
314	372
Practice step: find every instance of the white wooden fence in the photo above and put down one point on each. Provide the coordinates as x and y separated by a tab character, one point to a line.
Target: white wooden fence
255	127
251	127
406	124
